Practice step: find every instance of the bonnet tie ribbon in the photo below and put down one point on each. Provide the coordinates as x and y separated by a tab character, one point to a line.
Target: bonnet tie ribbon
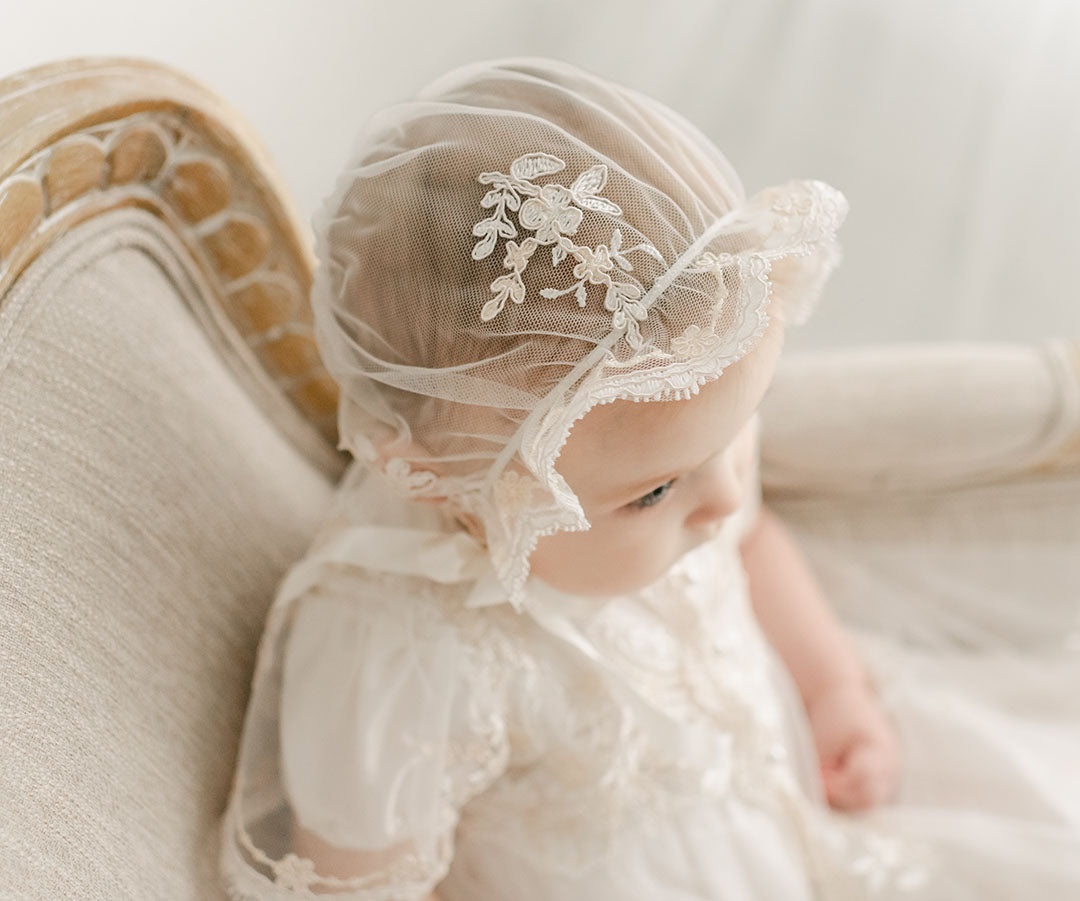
439	556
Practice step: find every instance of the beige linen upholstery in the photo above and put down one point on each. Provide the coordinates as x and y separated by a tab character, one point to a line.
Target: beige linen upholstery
148	509
935	487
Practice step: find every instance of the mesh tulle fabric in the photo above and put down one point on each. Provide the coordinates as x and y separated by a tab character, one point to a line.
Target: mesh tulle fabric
523	241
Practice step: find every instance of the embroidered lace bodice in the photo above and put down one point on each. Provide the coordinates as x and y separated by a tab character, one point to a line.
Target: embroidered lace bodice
627	708
572	737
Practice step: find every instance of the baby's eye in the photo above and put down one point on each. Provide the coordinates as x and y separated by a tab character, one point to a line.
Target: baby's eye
653	497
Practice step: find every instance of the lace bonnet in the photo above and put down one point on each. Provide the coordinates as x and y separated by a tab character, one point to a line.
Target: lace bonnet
525	240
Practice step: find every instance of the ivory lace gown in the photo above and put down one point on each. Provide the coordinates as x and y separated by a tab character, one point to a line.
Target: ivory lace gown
647	746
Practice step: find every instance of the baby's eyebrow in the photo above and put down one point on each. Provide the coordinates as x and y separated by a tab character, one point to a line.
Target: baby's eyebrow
620	496
650	484
644	486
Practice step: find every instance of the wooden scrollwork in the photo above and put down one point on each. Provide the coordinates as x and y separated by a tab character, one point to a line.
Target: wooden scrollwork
81	137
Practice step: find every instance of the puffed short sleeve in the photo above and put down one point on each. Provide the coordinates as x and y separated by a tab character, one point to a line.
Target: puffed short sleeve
387	727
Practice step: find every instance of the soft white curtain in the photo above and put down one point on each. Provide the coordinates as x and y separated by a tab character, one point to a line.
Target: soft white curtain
952	125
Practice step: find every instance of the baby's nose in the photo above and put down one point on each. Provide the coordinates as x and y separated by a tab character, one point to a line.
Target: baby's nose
719	491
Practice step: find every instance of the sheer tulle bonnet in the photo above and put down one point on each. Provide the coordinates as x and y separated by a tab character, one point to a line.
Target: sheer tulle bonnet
525	240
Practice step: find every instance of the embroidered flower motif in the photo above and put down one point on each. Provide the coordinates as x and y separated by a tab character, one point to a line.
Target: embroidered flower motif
594	265
554	212
294	873
551	214
514	492
517	255
694	342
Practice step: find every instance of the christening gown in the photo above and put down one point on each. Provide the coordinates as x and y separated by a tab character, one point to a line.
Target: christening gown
644	747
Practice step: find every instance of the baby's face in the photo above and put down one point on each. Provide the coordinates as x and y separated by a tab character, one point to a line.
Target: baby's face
656	479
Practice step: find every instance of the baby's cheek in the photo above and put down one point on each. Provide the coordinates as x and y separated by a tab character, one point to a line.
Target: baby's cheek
600	561
562	560
613	557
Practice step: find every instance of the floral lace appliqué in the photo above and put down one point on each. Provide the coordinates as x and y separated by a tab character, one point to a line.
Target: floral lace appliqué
294	873
694	342
553	213
514	492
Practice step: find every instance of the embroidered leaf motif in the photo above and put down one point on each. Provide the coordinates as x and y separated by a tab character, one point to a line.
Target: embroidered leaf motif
492	308
587	184
490	229
482	248
590	181
649	249
614	244
531	165
599	204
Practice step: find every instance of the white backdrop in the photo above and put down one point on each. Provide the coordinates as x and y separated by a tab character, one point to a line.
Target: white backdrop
952	125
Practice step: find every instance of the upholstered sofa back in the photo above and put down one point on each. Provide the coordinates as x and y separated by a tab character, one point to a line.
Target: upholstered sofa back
148	508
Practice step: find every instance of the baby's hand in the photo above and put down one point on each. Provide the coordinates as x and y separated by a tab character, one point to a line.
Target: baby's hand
857	746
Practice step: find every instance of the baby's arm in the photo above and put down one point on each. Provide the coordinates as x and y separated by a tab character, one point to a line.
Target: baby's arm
857	745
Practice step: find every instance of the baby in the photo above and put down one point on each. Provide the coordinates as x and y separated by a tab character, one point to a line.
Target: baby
671	475
550	645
